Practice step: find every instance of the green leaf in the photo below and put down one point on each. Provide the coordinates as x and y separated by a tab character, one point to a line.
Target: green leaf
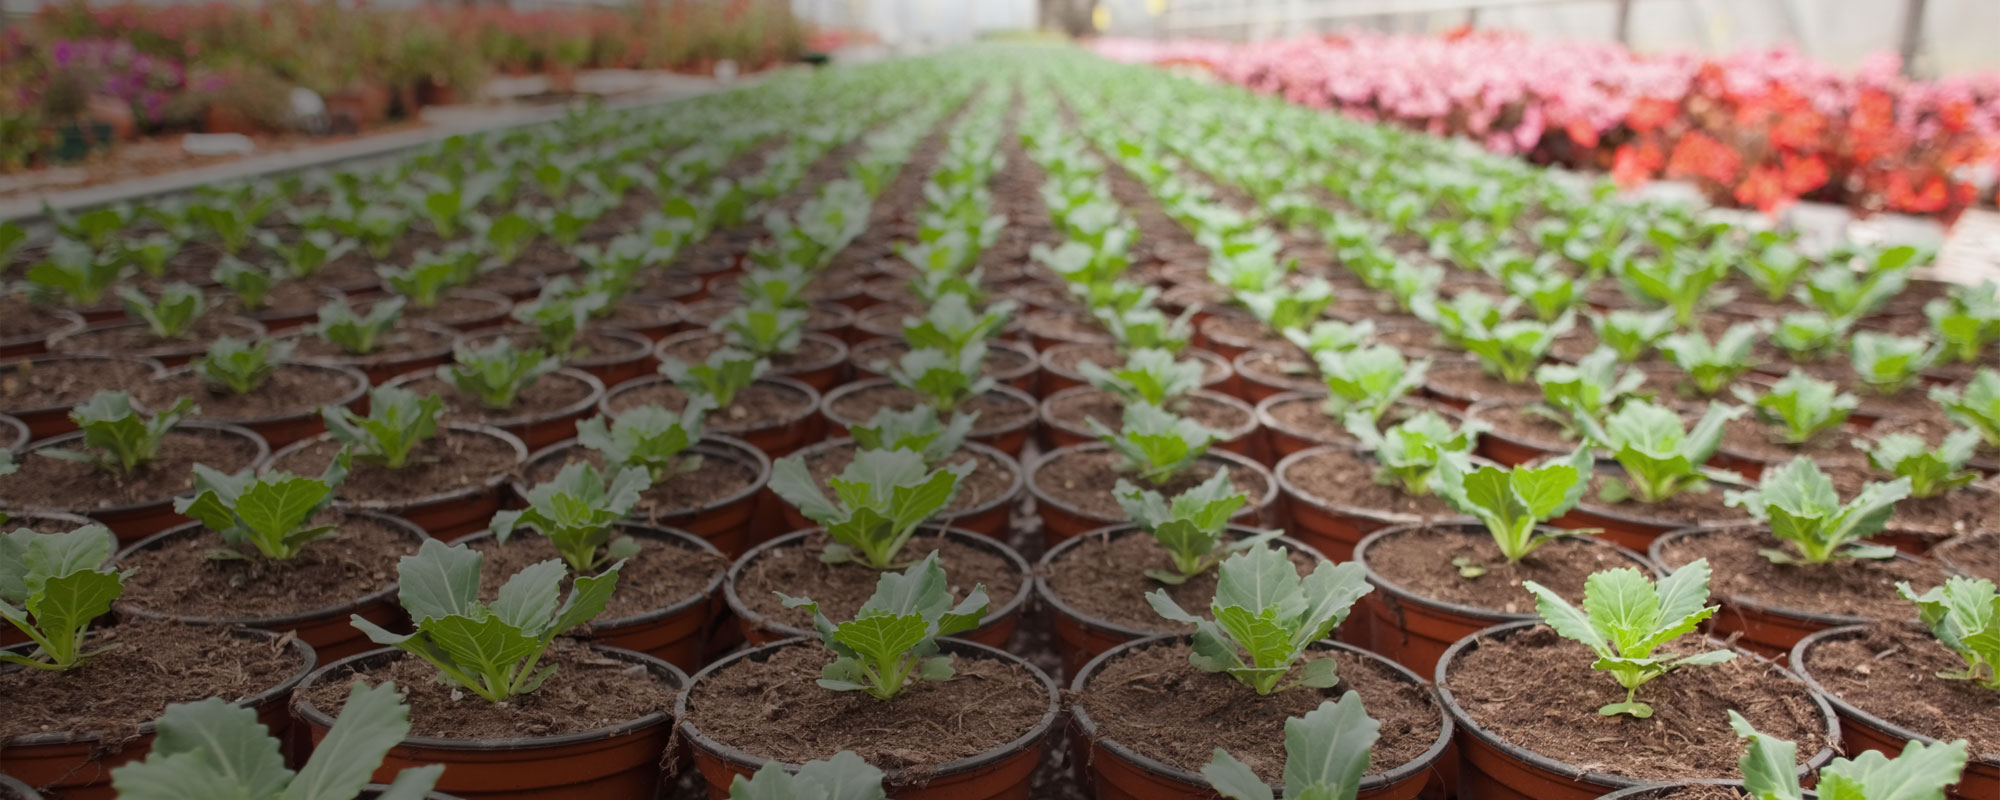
1234	779
371	722
1327	750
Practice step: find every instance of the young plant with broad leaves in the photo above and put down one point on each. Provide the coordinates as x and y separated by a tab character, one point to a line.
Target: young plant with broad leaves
1369	378
309	254
172	315
943	381
578	511
1192	526
1513	502
559	314
1510	350
1931	471
497	373
75	274
1964	615
116	437
274	514
1632	334
430	273
1804	513
1408	453
1976	406
1266	618
1966	320
1333	336
52	585
1627	618
726	372
1662	457
918	430
1843	294
951	325
493	650
1289	308
1921	772
1800	406
251	284
1154	443
649	438
354	333
892	639
397	421
843	777
1713	365
1326	754
217	749
878	501
1808	336
1889	364
763	330
1143	327
1148	376
241	367
1586	390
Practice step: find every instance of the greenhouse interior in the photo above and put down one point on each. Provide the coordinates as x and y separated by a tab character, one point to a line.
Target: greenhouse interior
999	400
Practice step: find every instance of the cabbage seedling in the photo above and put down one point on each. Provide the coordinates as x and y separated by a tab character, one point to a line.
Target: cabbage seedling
1967	320
1149	376
576	511
1977	406
918	430
1799	504
1267	617
240	367
726	372
1409	451
1513	502
1625	618
52	585
171	316
1661	457
649	437
1964	615
1369	378
843	777
1712	365
497	373
1632	334
117	437
1191	527
1326	754
1800	405
952	326
1921	772
1155	443
943	381
76	273
1890	364
892	640
878	501
1808	336
1931	471
763	330
396	423
271	513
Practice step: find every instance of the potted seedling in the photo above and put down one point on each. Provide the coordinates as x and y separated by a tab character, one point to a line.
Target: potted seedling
525	392
171	327
1340	493
1797	415
1518	433
379	342
1658	478
770	332
1075	486
946	384
1373	378
1153	377
1712	366
775	414
259	386
986	494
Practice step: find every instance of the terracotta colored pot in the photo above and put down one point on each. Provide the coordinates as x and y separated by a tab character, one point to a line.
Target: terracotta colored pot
327	630
1506	450
134	521
1662	791
1116	772
1864	731
1056	378
168	355
1416	630
1010	440
1770	630
1080	637
445	515
1494	768
822	375
284	429
863	357
1244	440
1060	520
35	344
675	634
619	761
777	439
725	523
1332	528
380	369
1282	439
543	429
991	518
1222	343
78	767
47	421
994	630
999	774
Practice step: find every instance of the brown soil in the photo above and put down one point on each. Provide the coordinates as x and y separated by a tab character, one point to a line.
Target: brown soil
450	461
1687	736
138	340
1104	578
1891	672
841	589
760	405
20	319
638	313
1294	374
664	573
1977	556
291	390
1468	381
1686	508
1246	332
593	345
46	482
1064	326
179	577
1306	417
1694	792
154	664
547	397
1085	480
1068	359
1156	703
718	478
998	411
989	480
811	354
1073	407
1420	561
405	341
1343	478
772	709
454	307
1751	438
588	691
1000	362
1516	422
1848	587
67	382
286	300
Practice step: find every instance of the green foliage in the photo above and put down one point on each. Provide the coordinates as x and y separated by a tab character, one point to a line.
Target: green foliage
1890	364
726	372
1967	320
1409	452
1930	471
1774	270
358	334
1514	502
1626	618
240	366
843	777
1143	327
1549	294
649	437
274	512
761	329
52	585
1149	376
1678	285
893	638
1712	365
1155	443
311	253
1326	755
577	510
918	430
1266	618
250	283
76	273
952	326
1661	456
430	273
1921	772
491	650
1192	527
878	501
118	438
1332	336
1964	615
1846	295
171	316
1808	336
497	373
1799	504
396	423
1511	349
1632	334
1800	405
559	314
1977	406
1589	389
149	254
1288	308
943	381
1369	378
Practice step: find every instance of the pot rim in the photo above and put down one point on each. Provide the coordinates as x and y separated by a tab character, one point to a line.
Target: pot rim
1414	767
643	345
1657	549
71	323
501	302
584	405
310	714
232	429
1845	709
45	358
856	387
1211	313
22	436
1477	410
642	530
125	607
1046	411
1045	591
392	506
377	358
1404	594
1942	552
1633	792
993	616
360	389
856	350
1235	461
1471	727
1299	495
1412	403
1028	326
1605	466
252	330
834	359
711	444
1013	488
957	647
1236	366
305	652
790	384
1208	359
